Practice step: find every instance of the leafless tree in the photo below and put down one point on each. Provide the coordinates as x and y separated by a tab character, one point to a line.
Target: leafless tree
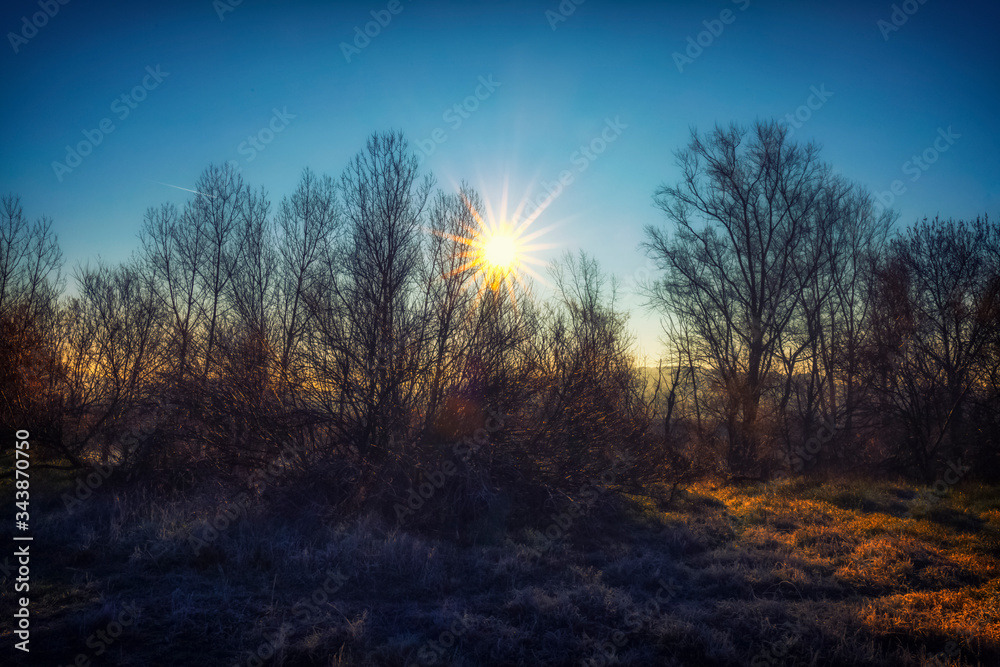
30	285
112	360
309	223
363	304
819	350
243	408
589	409
211	219
930	352
172	254
734	261
450	294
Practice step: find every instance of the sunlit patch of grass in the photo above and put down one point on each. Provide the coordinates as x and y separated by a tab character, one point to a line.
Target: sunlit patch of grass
824	542
875	523
643	506
991	517
923	529
968	614
764	537
877	562
977	564
790	487
807	538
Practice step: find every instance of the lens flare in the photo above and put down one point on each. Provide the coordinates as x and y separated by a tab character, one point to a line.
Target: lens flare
496	251
500	252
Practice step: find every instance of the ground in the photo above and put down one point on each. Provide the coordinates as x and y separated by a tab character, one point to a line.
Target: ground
795	572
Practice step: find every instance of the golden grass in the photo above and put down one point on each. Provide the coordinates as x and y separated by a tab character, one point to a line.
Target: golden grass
938	575
968	614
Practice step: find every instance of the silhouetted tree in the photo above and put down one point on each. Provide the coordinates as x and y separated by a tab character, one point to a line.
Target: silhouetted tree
736	259
931	349
113	360
309	223
30	285
590	408
367	325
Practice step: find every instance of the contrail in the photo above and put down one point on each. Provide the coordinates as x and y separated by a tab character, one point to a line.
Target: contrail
180	188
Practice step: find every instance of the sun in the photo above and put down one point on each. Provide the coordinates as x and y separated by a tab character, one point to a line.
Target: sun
500	252
494	251
495	254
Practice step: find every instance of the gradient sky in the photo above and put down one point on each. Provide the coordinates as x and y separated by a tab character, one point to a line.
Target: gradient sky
557	89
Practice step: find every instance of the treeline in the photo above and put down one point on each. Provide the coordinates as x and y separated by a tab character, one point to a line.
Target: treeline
346	321
805	334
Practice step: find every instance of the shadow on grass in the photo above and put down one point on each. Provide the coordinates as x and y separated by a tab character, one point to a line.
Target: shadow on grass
719	576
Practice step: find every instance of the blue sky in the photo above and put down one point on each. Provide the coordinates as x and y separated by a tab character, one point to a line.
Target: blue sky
888	94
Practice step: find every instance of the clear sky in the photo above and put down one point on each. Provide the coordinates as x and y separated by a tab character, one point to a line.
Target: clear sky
555	81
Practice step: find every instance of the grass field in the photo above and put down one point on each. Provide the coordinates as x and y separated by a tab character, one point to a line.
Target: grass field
787	573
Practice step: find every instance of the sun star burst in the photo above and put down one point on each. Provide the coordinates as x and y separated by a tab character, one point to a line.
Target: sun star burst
496	251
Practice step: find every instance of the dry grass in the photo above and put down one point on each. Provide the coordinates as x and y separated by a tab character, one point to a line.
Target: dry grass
790	573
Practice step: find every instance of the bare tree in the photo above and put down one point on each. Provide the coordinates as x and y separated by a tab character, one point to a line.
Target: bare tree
734	262
252	293
450	293
309	222
172	254
30	285
819	350
244	422
211	219
191	258
930	351
590	407
113	359
363	303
